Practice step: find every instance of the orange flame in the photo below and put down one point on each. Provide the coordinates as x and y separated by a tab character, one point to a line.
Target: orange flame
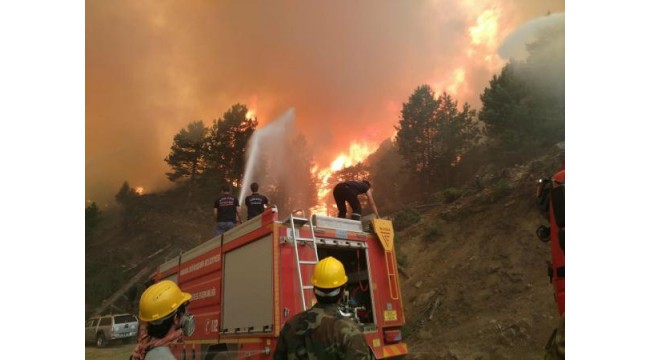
139	190
456	160
486	28
484	35
357	152
252	107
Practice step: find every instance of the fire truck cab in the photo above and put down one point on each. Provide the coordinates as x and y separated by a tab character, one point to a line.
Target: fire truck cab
247	282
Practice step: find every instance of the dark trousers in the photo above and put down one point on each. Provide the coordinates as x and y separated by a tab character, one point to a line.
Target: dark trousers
342	194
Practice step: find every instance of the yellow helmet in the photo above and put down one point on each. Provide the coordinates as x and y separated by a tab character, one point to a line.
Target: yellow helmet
329	273
160	300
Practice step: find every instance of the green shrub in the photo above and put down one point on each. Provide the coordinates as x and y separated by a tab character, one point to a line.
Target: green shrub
402	260
432	231
501	189
405	218
451	194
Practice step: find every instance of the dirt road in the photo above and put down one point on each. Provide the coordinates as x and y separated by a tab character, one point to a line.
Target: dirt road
117	351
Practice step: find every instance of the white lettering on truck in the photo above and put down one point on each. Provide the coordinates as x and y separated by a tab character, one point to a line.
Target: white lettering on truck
199	265
204	294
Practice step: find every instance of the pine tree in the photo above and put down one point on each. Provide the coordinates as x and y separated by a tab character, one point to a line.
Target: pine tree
432	135
188	153
227	144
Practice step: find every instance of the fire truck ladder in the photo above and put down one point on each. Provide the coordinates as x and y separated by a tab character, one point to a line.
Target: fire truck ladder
309	242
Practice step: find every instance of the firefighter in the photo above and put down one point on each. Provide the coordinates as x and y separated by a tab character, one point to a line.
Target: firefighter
165	319
256	202
348	191
322	332
226	211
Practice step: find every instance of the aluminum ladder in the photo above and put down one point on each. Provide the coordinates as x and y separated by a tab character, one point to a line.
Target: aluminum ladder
296	223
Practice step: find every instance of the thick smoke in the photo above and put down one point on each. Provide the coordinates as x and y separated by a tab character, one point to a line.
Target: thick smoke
153	66
265	141
278	160
538	48
514	46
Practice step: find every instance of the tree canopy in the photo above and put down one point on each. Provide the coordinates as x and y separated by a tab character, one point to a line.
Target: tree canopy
187	157
433	133
214	153
227	143
523	106
126	194
93	218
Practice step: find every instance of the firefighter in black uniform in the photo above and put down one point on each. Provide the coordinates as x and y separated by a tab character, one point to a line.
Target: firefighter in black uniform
256	202
348	191
226	211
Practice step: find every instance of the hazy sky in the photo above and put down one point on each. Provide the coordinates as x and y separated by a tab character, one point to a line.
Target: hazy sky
346	67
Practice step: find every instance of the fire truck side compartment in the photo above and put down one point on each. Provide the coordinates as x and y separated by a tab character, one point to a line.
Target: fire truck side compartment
247	287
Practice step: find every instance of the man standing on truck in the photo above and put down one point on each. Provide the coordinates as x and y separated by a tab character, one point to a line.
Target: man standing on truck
322	332
165	320
226	211
348	191
255	202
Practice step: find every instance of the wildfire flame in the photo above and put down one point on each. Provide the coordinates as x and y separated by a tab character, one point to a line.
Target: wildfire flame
483	40
486	28
139	190
252	107
357	152
457	160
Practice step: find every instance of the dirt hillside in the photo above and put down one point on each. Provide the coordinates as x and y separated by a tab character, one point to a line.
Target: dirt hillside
474	279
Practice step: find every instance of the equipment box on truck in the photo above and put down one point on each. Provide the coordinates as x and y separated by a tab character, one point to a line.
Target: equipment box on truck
248	282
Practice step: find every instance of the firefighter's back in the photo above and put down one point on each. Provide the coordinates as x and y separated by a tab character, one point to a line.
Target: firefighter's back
321	333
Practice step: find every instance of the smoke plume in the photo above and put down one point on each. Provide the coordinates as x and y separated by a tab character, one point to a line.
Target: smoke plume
154	66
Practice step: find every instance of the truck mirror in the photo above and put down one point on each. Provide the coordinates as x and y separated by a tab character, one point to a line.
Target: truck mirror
543	233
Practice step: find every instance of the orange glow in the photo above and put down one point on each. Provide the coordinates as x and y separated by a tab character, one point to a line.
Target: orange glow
357	152
486	28
252	107
459	77
484	34
456	161
139	190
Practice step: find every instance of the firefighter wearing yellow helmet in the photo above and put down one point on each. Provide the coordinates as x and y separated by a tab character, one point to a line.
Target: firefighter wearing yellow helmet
322	332
165	320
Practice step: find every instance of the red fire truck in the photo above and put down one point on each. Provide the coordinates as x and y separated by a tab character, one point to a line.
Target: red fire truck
248	282
550	199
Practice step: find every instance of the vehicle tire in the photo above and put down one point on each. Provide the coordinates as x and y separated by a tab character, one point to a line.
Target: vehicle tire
101	341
